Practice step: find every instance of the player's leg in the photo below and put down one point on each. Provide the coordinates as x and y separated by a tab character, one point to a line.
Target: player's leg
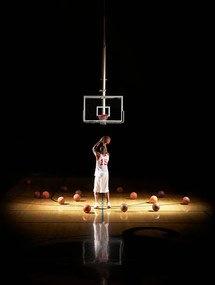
96	192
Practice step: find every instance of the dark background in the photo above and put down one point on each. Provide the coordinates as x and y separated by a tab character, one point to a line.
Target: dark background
158	58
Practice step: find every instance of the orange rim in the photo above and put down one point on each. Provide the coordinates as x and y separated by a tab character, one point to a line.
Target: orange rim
103	117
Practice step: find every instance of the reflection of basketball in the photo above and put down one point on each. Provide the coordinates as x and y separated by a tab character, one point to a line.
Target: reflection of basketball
77	197
123	216
123	207
106	139
155	207
61	200
185	200
87	208
153	199
133	195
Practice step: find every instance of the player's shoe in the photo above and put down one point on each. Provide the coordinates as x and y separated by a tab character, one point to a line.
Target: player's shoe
108	205
96	206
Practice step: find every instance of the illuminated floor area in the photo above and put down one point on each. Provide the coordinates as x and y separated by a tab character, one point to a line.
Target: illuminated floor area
51	243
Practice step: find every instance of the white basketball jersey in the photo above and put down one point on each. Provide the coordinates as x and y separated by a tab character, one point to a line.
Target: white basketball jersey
102	164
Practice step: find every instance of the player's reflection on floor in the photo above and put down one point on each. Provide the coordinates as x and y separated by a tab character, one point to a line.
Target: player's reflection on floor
96	251
101	248
101	237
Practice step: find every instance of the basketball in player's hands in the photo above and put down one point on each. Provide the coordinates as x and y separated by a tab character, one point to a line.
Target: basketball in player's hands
106	139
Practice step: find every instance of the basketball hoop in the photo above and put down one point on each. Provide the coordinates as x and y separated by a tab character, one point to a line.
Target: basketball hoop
103	119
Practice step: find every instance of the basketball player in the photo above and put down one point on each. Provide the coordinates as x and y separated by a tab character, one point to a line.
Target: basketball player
101	174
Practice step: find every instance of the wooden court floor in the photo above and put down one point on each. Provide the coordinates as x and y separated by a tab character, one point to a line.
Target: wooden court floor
61	244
